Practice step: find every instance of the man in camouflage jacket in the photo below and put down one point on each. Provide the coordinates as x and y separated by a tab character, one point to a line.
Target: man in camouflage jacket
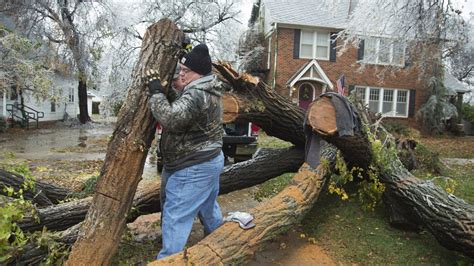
191	145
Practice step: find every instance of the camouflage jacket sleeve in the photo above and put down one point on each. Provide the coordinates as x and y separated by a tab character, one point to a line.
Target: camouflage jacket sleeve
177	115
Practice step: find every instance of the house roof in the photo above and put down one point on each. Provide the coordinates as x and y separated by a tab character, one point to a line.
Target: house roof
453	86
308	13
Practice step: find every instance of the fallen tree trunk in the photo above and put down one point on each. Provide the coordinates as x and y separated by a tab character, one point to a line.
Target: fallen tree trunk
267	163
234	177
43	194
448	218
230	244
257	103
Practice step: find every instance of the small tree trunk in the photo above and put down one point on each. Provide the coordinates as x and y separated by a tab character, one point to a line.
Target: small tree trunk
126	153
82	95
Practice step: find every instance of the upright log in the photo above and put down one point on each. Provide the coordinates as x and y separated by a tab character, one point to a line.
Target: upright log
102	229
448	218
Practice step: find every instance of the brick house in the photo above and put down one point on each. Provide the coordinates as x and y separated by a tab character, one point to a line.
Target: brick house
302	60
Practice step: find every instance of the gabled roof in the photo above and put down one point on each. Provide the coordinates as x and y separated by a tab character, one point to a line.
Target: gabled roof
308	13
310	71
453	86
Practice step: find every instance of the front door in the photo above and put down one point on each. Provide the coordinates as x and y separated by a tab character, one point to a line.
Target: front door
305	95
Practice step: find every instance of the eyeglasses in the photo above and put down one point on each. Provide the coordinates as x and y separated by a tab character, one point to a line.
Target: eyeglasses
184	70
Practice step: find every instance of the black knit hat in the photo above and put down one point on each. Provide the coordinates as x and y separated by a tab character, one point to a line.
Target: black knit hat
198	60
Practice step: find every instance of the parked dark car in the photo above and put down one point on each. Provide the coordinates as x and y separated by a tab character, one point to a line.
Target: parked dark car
239	143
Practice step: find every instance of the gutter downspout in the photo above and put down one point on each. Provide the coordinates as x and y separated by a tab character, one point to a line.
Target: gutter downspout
276	55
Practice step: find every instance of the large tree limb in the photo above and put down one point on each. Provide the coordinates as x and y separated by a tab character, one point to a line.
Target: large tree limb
267	164
259	104
230	244
448	218
43	194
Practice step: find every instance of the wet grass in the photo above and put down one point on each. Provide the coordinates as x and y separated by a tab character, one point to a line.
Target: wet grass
351	235
265	141
451	147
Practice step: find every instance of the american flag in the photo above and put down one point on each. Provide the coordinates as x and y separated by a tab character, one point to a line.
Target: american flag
340	84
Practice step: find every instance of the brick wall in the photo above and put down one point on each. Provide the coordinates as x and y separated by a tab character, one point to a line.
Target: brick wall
345	64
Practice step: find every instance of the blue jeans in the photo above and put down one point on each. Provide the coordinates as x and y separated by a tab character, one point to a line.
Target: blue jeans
189	192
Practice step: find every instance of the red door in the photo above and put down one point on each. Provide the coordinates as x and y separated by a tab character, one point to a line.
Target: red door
305	95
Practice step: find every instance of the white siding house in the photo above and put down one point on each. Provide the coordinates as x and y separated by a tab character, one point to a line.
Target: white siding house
53	111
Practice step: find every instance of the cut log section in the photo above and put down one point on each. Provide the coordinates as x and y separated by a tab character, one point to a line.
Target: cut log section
322	116
230	106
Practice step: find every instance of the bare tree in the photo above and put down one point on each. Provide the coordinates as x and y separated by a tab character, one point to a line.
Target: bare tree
215	23
74	28
23	66
433	26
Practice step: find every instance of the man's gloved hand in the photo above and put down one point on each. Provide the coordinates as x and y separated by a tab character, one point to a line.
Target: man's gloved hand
152	80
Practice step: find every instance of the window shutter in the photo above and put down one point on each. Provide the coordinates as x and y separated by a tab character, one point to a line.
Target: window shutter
411	104
332	48
351	88
296	44
360	52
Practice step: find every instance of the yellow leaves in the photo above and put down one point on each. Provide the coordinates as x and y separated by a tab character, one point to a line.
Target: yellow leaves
42	169
334	189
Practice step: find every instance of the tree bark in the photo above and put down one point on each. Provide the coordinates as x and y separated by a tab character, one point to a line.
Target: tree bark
448	218
82	98
42	195
267	163
230	244
126	153
263	106
234	177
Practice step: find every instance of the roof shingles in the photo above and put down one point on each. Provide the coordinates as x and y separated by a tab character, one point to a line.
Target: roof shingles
309	12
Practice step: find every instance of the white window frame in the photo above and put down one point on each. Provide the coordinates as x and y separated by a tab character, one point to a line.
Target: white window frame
375	59
393	111
315	34
71	96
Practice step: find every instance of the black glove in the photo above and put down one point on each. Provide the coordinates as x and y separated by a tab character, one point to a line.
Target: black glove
152	80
